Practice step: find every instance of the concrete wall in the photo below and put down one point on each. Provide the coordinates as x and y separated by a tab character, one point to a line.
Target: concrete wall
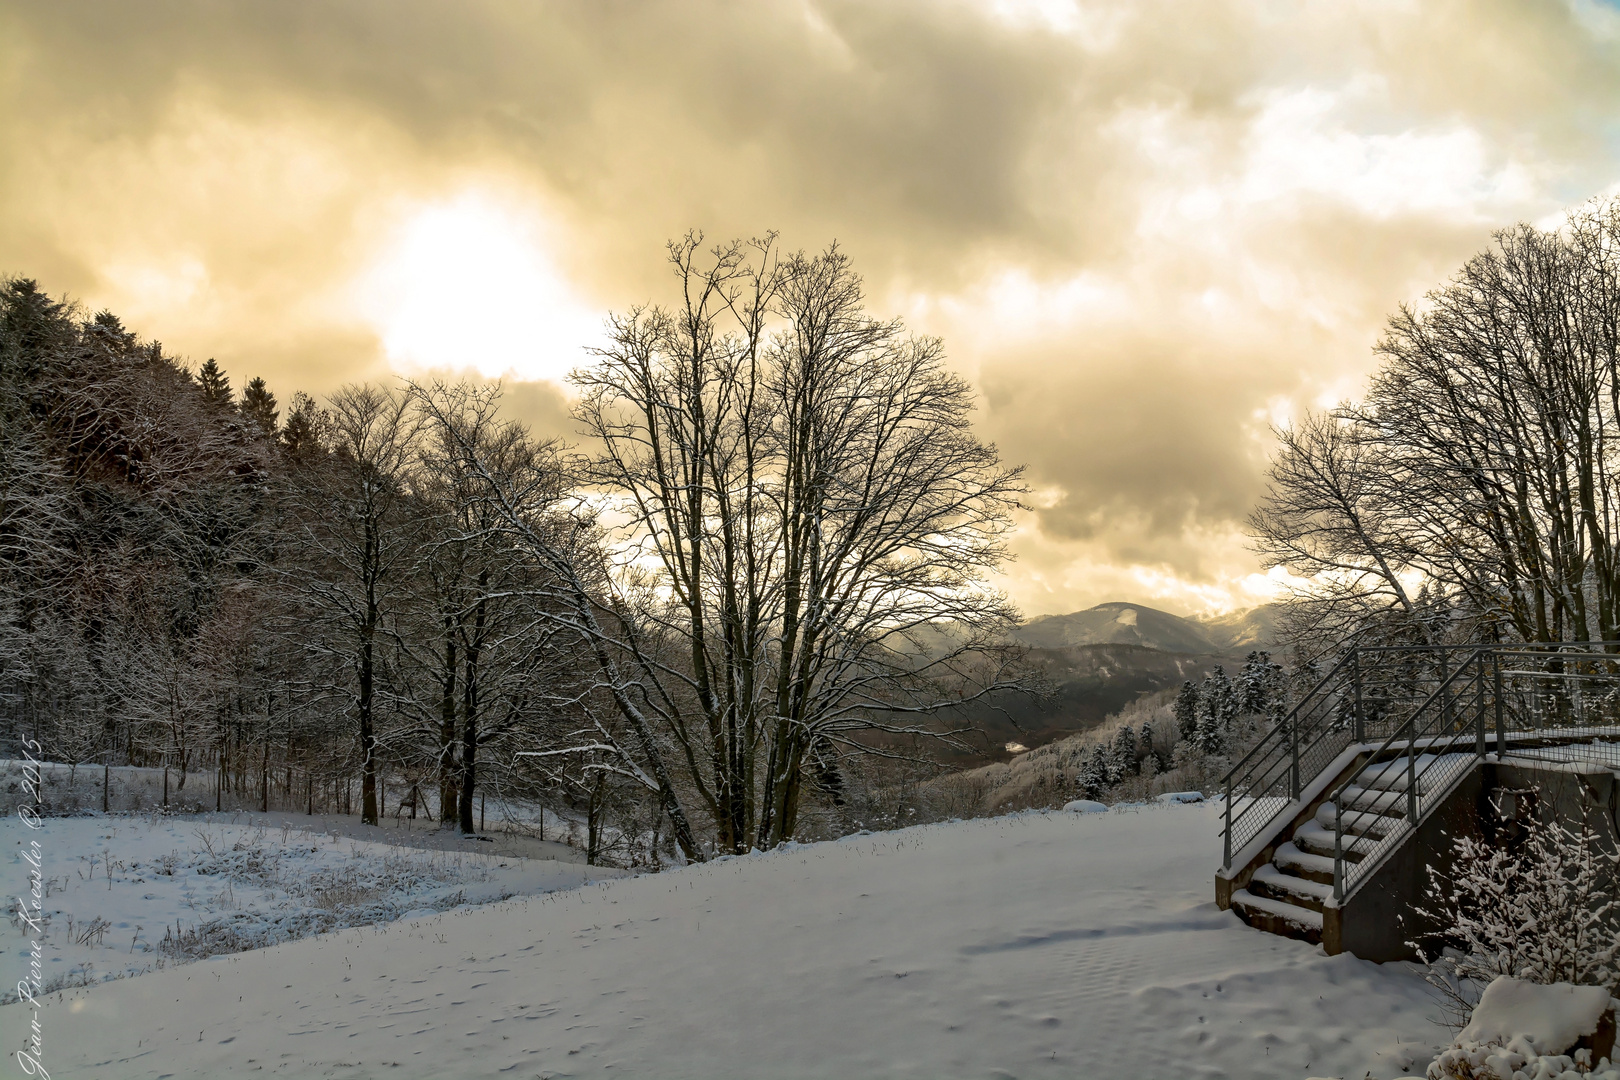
1381	918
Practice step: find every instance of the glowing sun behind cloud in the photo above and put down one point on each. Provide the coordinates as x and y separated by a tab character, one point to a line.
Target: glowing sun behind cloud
469	284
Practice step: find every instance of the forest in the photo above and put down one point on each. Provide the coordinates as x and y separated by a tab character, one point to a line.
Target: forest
758	591
767	559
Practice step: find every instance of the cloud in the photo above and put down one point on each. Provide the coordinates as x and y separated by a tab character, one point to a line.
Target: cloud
1143	228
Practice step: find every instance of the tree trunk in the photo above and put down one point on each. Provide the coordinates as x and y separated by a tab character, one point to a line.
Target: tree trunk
593	820
449	790
368	738
469	733
469	707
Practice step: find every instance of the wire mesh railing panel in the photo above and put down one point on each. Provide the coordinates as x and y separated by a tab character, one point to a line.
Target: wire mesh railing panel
1366	696
1554	703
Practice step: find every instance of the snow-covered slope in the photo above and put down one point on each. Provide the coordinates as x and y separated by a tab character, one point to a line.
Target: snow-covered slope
125	895
1056	945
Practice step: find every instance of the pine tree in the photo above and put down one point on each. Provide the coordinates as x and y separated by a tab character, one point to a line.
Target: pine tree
302	434
1092	779
1259	685
259	406
1218	700
1186	709
1124	751
1210	738
1150	753
216	386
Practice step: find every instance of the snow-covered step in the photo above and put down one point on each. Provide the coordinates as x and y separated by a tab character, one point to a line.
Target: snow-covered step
1292	860
1272	884
1391	775
1319	841
1288	920
1358	822
1389	803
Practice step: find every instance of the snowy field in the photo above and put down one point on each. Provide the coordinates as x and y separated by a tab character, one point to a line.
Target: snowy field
126	895
1040	945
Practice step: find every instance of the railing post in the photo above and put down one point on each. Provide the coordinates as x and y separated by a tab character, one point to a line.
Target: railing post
1501	719
1355	675
1228	852
1338	848
1445	702
1479	707
1411	771
1293	748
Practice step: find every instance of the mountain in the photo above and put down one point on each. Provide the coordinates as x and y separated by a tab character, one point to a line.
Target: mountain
1098	661
1089	683
1137	624
1241	631
1117	624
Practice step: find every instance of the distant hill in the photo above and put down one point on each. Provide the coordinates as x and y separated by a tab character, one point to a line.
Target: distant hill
1137	624
1100	660
1092	682
1242	631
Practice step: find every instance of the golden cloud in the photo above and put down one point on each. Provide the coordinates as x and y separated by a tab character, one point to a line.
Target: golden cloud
1145	229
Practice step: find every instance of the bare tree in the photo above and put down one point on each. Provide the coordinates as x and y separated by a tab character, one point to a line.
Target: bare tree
1326	517
800	520
1482	460
358	521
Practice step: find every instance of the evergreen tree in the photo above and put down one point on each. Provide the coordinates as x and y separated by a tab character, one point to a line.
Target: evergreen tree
216	386
1218	700
1186	709
1125	751
1150	753
302	434
1210	738
259	406
1093	777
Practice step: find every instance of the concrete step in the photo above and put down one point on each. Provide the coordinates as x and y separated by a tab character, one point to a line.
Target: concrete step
1388	803
1291	860
1315	839
1274	884
1391	775
1277	917
1358	822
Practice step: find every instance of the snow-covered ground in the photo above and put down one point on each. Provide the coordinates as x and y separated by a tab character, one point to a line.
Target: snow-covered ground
125	895
1055	945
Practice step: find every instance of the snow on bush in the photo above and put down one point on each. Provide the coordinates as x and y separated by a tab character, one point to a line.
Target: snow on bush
1518	1059
1524	1031
1540	906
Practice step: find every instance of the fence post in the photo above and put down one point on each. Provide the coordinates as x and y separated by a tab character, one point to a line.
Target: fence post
1355	675
1501	720
1479	707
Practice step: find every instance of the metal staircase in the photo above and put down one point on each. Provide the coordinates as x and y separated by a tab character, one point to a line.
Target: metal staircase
1327	796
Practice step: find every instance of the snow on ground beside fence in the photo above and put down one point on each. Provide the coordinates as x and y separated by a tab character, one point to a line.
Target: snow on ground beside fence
129	894
1037	945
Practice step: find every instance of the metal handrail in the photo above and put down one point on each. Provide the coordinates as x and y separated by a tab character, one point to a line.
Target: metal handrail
1472	669
1276	748
1271	776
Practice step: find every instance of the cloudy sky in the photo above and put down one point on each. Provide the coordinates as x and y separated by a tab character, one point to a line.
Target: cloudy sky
1146	230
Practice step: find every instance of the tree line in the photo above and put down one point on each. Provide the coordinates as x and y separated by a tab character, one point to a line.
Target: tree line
770	550
1471	494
